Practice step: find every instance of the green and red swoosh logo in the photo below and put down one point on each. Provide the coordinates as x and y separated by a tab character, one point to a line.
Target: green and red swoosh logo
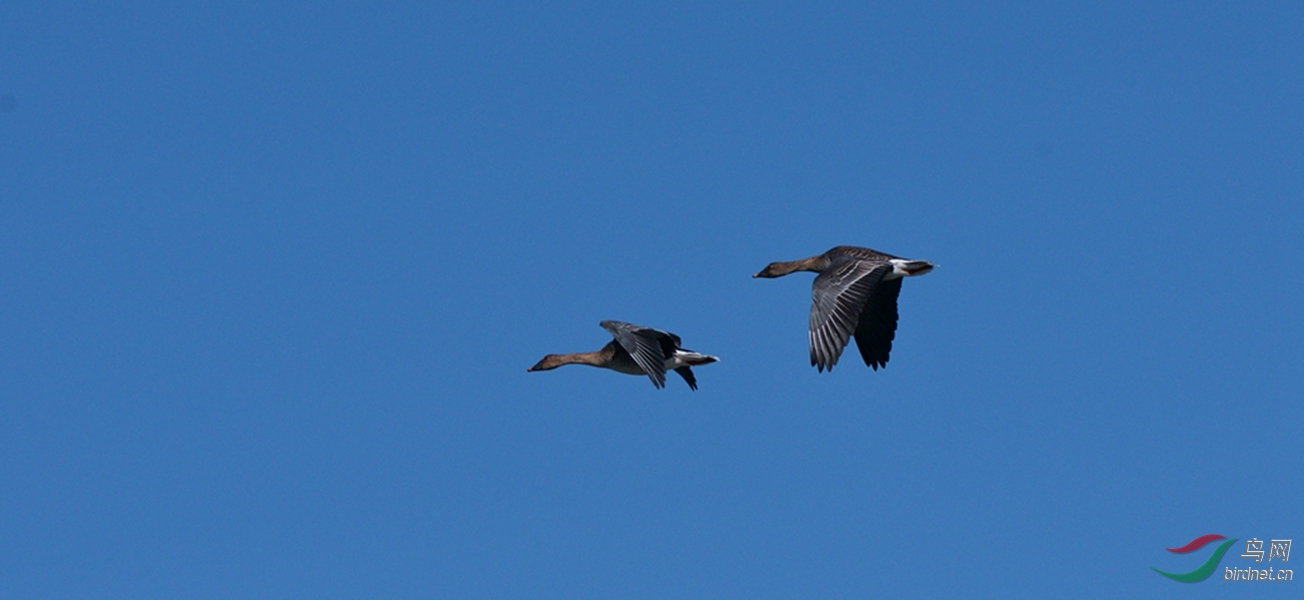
1205	569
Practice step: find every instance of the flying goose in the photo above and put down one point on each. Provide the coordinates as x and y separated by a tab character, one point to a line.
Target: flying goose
635	351
855	292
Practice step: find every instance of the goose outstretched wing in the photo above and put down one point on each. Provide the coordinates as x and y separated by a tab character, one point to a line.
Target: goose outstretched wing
839	296
645	345
878	323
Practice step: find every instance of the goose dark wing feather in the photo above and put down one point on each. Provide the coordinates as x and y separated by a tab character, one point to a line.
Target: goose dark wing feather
839	295
688	376
878	323
669	343
644	345
858	253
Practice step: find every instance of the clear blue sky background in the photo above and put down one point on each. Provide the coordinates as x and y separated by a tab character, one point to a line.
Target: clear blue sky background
271	275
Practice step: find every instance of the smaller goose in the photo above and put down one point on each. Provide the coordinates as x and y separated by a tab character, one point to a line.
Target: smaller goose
855	292
635	351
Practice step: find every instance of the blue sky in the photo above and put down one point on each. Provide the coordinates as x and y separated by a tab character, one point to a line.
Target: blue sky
273	274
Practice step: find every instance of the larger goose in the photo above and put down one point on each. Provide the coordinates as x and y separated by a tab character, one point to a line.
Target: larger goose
855	293
636	350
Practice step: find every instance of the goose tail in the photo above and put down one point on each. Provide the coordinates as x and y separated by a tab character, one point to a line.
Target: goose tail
909	268
691	359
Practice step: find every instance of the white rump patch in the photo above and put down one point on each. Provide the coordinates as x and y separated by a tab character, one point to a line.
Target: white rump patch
903	268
